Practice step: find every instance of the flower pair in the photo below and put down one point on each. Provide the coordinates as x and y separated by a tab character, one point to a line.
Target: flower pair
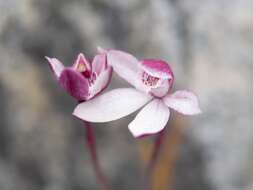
152	80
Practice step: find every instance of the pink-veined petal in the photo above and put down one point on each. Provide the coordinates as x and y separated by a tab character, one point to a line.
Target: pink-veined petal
101	82
82	64
183	101
74	83
56	66
125	65
157	68
112	105
151	119
99	63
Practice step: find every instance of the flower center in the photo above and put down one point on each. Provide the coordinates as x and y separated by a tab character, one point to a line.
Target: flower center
86	74
90	76
149	80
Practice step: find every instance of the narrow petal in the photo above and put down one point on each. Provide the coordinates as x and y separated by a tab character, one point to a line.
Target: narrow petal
75	84
125	65
112	105
56	66
82	64
151	119
99	63
183	101
101	82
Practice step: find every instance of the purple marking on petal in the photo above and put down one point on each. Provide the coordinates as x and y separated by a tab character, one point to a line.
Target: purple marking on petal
101	82
157	68
149	80
75	84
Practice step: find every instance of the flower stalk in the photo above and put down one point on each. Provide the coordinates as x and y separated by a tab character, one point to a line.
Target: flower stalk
159	139
91	143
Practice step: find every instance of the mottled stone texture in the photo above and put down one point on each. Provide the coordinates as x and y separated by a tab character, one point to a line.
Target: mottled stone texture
209	44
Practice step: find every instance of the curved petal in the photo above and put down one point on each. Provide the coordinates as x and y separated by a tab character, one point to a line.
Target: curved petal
74	83
151	119
56	66
82	64
112	105
157	68
125	65
101	82
99	63
162	89
183	101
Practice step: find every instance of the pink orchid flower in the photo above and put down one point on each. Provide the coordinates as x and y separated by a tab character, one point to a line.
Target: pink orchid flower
152	80
83	80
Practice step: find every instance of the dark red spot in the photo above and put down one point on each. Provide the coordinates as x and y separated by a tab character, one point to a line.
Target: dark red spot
149	80
86	74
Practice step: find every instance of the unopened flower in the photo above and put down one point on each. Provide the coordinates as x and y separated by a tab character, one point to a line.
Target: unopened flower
152	80
83	80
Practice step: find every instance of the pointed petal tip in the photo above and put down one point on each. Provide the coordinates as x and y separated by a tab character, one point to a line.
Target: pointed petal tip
55	65
99	63
81	58
81	63
101	50
47	58
76	115
81	55
50	59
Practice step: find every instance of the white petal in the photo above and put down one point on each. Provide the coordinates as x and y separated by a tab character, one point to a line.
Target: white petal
99	63
151	119
125	65
56	66
101	50
183	101
101	82
112	105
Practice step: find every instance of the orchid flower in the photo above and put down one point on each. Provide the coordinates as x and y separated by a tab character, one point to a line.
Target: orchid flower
83	80
152	80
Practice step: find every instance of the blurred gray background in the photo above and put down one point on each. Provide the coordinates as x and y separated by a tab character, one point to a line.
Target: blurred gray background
209	45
